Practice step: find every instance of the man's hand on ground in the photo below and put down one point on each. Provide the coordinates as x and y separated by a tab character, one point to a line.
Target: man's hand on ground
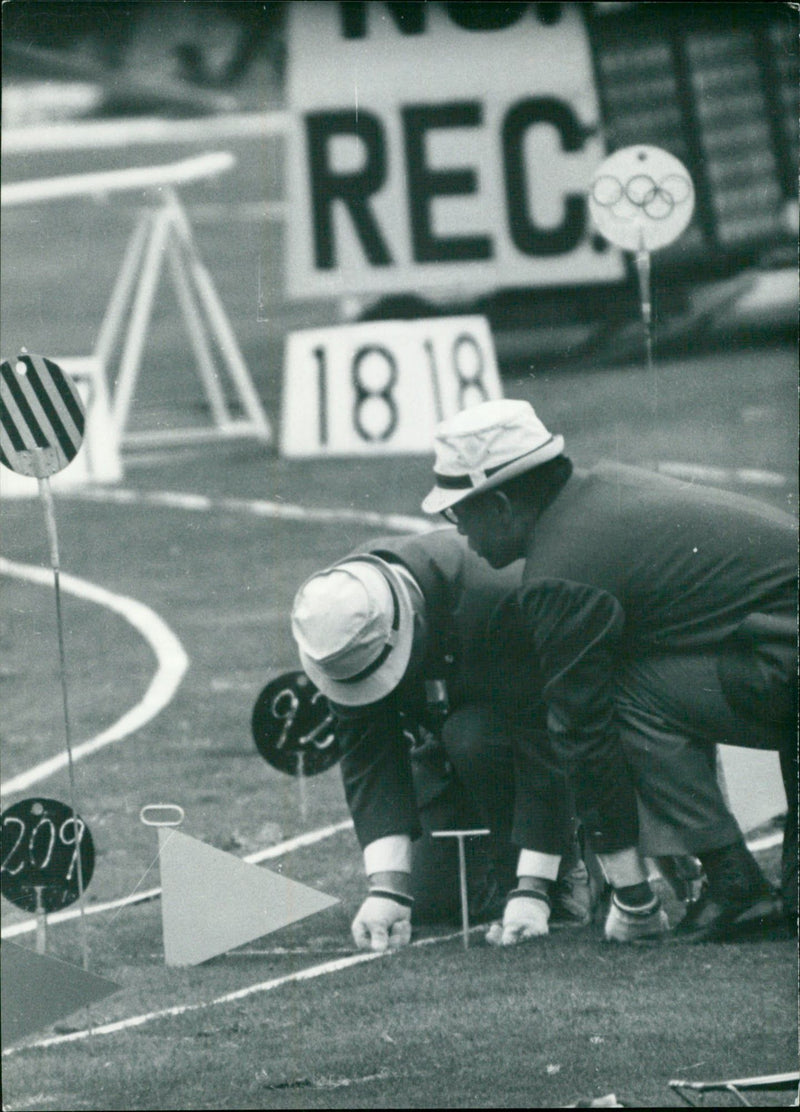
382	923
526	916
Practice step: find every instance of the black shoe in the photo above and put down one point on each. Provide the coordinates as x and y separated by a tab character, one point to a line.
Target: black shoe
716	920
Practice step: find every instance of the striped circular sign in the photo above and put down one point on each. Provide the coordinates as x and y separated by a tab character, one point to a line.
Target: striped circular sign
41	416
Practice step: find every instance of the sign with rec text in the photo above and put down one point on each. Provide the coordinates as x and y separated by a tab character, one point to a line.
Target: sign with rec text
441	146
381	387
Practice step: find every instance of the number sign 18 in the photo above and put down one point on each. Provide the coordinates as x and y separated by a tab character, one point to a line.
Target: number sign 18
382	387
41	843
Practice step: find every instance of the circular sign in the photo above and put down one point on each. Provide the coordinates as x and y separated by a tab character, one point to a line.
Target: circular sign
293	726
41	841
42	417
641	198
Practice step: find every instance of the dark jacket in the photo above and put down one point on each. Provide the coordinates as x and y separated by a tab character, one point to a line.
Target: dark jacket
461	592
626	563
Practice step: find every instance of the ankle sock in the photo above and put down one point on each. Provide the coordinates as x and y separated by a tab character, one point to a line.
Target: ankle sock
635	897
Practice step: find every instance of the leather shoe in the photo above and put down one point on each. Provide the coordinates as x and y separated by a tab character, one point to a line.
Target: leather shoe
717	920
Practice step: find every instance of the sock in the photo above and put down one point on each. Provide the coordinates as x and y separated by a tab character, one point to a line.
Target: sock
635	897
536	884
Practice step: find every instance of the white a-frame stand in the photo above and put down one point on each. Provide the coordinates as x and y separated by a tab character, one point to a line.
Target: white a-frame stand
163	233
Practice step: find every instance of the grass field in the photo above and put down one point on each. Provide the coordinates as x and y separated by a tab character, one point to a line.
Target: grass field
434	1026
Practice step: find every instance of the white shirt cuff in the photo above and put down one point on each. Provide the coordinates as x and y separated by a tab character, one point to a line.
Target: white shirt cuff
391	854
533	863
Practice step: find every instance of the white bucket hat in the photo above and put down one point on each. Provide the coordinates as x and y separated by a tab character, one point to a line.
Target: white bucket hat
483	446
354	628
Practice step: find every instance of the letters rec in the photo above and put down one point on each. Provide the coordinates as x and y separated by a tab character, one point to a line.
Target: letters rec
354	189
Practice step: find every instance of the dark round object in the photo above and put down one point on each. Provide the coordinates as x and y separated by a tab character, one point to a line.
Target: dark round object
292	726
39	869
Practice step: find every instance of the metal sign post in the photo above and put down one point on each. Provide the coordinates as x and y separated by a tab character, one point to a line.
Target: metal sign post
462	872
42	422
47	859
292	727
642	199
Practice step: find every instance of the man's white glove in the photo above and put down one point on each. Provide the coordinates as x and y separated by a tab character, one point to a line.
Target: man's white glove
526	916
383	921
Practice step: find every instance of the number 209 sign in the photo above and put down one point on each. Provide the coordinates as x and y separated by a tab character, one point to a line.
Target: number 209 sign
380	388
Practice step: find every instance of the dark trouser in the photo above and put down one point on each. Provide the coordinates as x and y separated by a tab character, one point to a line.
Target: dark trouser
672	711
478	790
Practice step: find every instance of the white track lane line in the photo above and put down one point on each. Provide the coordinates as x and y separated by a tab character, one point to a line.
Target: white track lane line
171	659
258	507
308	974
291	844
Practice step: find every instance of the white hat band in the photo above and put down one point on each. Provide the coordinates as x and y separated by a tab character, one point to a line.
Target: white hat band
476	478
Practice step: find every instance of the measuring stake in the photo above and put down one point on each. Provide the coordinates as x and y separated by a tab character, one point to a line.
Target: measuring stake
462	872
301	784
643	271
50	519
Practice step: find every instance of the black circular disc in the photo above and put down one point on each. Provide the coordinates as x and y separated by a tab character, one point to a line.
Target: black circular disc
39	870
293	726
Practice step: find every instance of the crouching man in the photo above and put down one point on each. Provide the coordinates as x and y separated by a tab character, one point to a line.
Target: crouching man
443	728
662	618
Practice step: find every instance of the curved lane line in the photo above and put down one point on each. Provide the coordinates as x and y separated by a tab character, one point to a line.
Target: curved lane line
171	659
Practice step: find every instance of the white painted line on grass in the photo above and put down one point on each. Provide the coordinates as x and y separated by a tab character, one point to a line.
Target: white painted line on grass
285	511
299	842
183	1009
308	974
171	659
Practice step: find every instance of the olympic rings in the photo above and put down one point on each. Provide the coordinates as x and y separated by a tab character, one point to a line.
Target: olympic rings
657	200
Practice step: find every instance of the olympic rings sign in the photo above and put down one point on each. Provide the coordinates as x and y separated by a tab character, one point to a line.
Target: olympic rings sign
641	198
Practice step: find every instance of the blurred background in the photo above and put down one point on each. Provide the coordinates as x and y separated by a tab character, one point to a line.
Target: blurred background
714	84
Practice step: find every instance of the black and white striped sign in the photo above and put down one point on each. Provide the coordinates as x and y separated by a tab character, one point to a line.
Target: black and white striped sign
41	416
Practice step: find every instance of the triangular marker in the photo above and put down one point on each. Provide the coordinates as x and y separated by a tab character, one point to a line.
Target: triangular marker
37	989
212	902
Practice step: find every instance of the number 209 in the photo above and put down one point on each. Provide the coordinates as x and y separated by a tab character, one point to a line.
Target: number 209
43	839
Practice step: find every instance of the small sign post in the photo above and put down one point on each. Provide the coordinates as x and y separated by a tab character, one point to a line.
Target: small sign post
47	859
41	922
292	727
42	422
641	199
